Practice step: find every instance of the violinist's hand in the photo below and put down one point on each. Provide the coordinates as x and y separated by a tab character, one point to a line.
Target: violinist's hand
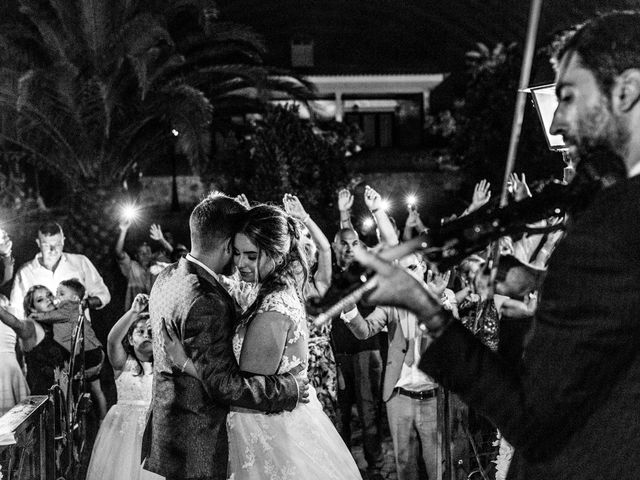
395	287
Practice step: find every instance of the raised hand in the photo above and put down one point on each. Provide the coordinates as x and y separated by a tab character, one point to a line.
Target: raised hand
372	199
293	207
140	302
6	244
125	223
518	187
345	200
243	200
481	195
438	282
155	232
414	220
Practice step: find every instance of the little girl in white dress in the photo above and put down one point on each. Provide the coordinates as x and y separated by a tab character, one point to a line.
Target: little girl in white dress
116	451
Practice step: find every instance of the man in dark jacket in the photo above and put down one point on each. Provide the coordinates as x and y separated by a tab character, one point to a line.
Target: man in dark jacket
571	407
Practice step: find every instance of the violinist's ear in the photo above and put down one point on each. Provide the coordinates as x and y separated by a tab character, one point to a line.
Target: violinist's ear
626	91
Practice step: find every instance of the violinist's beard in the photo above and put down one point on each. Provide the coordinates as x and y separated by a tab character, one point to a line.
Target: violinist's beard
598	130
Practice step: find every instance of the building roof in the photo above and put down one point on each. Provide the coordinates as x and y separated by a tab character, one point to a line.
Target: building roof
400	36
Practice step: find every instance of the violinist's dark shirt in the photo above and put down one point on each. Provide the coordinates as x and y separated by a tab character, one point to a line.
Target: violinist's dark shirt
572	408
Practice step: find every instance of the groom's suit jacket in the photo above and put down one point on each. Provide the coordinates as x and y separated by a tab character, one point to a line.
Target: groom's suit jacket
189	435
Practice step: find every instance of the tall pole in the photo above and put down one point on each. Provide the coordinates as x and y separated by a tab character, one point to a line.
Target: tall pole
518	115
516	127
175	203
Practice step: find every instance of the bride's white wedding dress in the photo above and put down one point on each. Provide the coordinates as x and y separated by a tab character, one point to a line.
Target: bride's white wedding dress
296	445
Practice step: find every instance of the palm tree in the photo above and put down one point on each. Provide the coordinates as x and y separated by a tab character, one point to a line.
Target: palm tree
96	87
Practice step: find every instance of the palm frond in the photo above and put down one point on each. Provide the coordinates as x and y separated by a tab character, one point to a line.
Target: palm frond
48	25
189	112
228	32
20	46
93	21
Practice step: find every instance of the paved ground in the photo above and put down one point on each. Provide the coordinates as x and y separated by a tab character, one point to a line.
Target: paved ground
389	469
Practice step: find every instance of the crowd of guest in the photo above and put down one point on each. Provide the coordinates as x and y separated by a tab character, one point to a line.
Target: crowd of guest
364	359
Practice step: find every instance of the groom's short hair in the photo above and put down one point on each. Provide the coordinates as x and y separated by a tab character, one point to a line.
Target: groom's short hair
213	220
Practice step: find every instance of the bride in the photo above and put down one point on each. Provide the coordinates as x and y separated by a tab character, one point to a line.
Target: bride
271	338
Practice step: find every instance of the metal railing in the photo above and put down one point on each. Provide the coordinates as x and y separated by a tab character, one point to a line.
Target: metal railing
27	444
44	436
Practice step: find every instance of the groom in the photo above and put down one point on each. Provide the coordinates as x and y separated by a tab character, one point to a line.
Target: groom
189	435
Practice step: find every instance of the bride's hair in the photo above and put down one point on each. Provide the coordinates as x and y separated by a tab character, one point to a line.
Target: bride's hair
276	235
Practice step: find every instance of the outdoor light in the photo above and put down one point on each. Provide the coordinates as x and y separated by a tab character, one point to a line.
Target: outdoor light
129	212
368	223
175	132
411	200
545	101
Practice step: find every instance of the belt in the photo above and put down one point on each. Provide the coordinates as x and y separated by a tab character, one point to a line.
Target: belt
422	395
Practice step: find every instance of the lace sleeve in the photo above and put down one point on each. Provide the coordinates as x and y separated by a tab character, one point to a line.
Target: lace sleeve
286	302
282	302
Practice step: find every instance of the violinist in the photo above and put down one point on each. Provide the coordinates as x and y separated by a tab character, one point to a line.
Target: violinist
570	407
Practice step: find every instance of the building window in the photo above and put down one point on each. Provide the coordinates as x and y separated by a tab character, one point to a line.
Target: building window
301	52
377	127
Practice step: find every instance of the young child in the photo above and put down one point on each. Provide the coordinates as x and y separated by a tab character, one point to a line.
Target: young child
116	451
63	320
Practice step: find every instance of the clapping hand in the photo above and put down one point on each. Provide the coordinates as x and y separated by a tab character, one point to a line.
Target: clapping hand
372	199
293	207
345	200
518	187
481	195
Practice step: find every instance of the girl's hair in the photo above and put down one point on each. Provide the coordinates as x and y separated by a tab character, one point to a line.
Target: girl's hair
27	303
276	235
128	348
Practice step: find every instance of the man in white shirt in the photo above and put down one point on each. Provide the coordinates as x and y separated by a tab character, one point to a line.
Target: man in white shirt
410	394
51	265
